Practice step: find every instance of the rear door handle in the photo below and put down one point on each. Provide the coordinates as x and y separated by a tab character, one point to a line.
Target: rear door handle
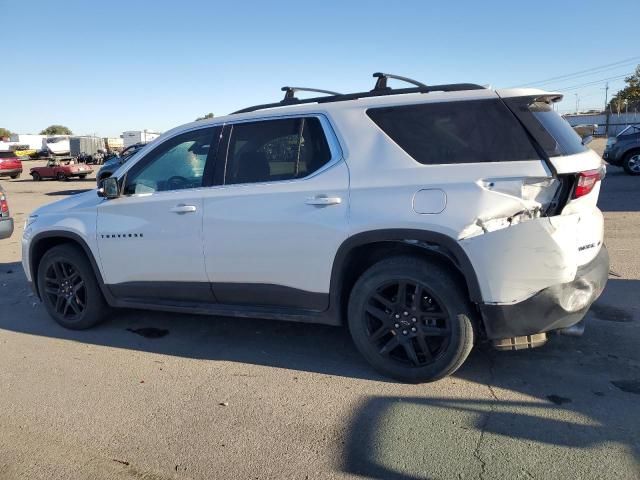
183	208
323	200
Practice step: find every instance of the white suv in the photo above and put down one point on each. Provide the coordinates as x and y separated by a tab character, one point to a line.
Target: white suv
425	218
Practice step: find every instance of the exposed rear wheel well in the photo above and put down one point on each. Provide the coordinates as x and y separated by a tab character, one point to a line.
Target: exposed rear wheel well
360	258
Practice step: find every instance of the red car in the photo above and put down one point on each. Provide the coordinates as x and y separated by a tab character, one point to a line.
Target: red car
10	165
60	170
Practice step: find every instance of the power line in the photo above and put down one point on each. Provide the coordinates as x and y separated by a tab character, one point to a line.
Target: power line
594	82
588	71
588	74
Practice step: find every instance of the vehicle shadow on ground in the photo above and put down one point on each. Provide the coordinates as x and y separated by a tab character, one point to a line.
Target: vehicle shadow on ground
298	346
398	437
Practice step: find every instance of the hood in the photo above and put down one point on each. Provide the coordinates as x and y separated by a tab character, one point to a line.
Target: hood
79	201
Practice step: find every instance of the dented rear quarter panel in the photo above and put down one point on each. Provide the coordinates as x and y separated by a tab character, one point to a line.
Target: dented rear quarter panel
516	262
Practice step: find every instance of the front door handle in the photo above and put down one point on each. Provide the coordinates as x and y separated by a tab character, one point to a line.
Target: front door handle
183	208
323	200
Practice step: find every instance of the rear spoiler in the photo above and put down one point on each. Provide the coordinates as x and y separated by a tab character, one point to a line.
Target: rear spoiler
534	94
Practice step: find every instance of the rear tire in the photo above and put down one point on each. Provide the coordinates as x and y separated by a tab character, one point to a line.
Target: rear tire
411	319
36	177
69	289
15	176
82	176
631	162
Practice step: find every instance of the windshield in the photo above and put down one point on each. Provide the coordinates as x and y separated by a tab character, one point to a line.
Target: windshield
630	130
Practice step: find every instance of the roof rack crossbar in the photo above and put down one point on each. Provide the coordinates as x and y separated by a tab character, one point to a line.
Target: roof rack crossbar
291	91
381	83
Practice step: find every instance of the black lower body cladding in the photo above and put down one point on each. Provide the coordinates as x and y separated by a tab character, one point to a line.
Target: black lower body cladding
549	309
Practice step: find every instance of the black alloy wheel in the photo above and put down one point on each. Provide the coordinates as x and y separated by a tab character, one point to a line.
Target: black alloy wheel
411	318
69	288
66	290
406	323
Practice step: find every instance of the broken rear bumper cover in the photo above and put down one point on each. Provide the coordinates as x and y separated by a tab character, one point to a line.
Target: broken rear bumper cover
554	308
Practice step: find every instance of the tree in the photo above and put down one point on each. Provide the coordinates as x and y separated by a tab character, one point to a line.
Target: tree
4	133
206	117
56	130
630	94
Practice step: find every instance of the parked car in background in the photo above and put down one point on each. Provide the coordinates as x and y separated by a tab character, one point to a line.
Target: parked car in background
623	150
112	164
60	170
10	164
6	222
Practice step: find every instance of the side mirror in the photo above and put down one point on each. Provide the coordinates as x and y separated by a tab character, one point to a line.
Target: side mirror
110	188
586	140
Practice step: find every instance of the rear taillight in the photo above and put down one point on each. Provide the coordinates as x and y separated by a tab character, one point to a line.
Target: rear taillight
4	206
586	181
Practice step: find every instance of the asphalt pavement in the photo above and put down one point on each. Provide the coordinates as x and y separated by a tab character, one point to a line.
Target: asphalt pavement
162	396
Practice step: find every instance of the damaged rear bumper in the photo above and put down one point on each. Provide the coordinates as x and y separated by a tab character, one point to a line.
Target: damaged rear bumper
554	308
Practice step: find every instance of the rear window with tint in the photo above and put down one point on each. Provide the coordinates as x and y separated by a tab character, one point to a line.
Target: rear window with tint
456	132
568	141
5	154
554	135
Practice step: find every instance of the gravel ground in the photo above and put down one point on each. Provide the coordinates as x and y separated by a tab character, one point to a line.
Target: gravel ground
255	399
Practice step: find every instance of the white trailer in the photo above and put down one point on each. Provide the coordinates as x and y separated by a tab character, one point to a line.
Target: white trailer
56	144
132	137
34	141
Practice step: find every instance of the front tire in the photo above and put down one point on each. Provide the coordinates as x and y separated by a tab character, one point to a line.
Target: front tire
69	289
83	176
15	176
411	319
61	177
631	162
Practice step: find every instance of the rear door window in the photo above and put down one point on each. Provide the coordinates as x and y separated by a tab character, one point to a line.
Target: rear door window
456	132
273	150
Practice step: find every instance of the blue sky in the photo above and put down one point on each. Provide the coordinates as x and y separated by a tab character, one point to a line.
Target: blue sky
108	66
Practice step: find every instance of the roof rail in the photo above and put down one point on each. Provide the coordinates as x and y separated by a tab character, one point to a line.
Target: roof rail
381	89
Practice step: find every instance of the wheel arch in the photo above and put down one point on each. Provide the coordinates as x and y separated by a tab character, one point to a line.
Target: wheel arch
44	241
362	250
630	151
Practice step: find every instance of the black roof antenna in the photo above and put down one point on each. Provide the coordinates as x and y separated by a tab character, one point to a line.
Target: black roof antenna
290	92
381	83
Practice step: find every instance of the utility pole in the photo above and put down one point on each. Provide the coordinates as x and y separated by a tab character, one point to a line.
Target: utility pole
607	112
577	102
